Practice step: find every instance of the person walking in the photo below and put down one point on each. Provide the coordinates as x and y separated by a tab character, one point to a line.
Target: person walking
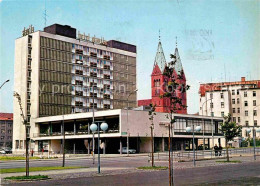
216	150
220	150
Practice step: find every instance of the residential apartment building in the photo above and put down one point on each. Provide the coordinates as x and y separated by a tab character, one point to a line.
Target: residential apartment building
58	72
241	99
6	127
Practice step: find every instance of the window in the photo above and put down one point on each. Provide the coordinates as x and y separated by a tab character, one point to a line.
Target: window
254	93
233	92
238	119
254	102
221	95
2	137
247	123
211	105
255	122
234	110
246	113
234	119
211	95
2	131
222	104
246	104
245	94
255	112
9	131
233	101
212	114
16	144
222	114
238	101
237	92
238	110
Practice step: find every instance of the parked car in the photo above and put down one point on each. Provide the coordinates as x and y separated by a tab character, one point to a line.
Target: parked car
7	150
130	151
2	151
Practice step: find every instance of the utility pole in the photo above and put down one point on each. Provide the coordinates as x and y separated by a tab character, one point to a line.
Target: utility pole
63	143
152	145
27	132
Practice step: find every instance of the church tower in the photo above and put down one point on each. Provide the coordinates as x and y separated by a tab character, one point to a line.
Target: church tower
159	81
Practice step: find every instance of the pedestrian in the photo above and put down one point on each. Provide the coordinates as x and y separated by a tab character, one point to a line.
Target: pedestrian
220	150
216	150
32	153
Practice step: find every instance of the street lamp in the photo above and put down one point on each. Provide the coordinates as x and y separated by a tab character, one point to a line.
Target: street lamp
248	130
197	129
127	140
4	83
93	128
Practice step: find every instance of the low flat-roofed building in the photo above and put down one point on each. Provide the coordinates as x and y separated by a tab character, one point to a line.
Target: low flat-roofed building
135	124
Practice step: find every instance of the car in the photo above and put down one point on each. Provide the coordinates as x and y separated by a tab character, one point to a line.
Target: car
2	151
7	150
130	151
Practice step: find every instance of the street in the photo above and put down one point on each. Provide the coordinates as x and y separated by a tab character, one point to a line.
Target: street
189	176
122	171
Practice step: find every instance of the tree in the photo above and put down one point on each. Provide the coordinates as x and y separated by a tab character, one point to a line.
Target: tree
173	87
230	130
152	113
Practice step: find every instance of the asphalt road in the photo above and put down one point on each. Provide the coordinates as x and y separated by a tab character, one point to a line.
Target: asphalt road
188	176
84	162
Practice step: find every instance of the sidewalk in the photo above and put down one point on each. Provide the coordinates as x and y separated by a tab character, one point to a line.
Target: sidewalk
64	171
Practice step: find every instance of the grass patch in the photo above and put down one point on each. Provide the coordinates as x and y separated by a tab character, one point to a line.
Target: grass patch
10	158
233	161
153	168
36	177
33	169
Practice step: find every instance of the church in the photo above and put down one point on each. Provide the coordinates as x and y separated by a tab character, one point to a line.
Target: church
159	83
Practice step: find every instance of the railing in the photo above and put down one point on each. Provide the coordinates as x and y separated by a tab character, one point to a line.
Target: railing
206	154
78	132
206	132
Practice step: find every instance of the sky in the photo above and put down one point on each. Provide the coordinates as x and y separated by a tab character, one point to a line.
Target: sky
217	40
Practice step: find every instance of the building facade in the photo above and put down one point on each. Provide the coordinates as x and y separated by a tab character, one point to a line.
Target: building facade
122	123
58	72
6	127
241	99
159	83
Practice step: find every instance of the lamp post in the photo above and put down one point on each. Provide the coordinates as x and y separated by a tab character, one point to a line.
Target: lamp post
93	128
254	132
4	83
197	129
127	140
204	126
248	130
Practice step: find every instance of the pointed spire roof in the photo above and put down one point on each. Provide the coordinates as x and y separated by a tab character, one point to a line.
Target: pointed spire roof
178	65
160	58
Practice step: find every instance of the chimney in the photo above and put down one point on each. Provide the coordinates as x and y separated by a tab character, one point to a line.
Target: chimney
243	79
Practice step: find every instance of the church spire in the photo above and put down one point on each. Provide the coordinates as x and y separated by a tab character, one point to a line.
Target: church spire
160	58
178	65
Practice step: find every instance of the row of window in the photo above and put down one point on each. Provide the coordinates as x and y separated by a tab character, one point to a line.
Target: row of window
233	93
55	44
238	120
8	137
8	131
246	111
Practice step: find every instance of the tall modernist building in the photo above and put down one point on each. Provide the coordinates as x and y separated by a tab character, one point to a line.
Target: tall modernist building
159	83
241	99
57	73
